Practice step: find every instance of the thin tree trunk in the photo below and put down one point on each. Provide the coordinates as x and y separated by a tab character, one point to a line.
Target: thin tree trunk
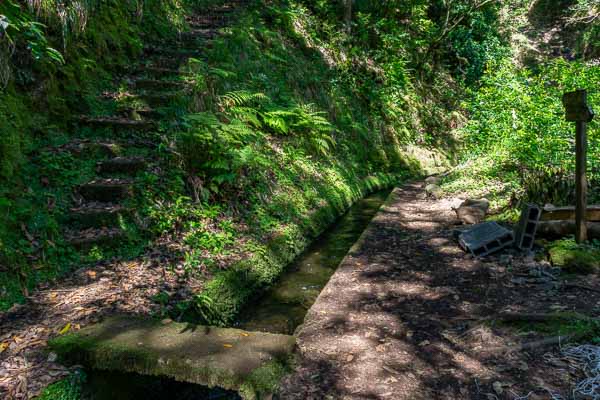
348	14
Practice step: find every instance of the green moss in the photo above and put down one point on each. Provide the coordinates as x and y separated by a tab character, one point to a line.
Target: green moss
574	258
66	389
264	381
229	291
563	323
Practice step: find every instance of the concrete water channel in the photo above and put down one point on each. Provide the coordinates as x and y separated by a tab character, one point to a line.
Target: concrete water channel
280	310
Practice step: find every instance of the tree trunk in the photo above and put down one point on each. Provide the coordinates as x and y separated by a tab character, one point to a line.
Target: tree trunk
348	14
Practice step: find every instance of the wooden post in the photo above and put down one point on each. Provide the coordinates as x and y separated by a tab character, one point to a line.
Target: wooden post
578	111
581	182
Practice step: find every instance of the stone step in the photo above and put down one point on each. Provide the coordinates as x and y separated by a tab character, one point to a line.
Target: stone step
206	23
199	34
146	112
121	165
249	362
95	237
218	11
170	62
160	72
158	99
176	52
89	147
117	123
97	215
106	190
158	84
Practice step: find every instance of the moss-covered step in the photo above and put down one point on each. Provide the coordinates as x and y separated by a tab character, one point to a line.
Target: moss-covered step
161	99
173	52
198	34
97	215
126	165
158	84
118	123
86	147
249	362
95	237
159	72
106	190
206	23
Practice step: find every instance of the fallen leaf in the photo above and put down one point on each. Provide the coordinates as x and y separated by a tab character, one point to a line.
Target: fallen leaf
245	334
350	358
65	329
228	346
3	346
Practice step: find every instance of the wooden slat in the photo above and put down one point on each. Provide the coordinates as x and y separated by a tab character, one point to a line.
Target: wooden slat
568	213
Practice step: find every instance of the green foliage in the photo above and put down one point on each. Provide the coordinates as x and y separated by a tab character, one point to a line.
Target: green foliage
14	114
67	389
18	24
225	295
36	184
477	45
517	131
565	323
573	257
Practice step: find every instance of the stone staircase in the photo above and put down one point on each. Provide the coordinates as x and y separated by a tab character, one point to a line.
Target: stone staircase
123	138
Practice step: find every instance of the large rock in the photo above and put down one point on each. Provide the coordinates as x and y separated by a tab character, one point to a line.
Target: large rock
249	362
433	190
472	211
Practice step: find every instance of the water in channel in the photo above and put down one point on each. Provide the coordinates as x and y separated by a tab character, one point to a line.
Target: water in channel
283	307
279	310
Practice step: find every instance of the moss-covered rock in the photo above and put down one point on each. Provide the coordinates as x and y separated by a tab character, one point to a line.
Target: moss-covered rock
575	258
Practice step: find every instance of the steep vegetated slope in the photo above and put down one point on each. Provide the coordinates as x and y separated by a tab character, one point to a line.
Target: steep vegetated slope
230	153
517	145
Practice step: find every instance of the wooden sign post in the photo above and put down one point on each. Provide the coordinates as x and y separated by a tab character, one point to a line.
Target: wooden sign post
578	111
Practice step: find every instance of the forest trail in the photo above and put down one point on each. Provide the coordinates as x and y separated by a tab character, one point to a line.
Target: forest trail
407	316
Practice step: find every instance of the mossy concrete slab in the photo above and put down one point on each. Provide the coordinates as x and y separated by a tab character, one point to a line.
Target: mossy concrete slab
249	362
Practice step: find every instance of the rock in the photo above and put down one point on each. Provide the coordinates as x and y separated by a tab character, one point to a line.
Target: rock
433	180
433	190
472	211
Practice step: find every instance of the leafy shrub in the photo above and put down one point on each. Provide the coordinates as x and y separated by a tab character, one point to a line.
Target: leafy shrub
517	124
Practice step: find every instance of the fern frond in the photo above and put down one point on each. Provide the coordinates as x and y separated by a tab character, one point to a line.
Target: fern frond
242	98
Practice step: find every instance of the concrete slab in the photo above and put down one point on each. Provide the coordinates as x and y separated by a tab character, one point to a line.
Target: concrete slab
248	362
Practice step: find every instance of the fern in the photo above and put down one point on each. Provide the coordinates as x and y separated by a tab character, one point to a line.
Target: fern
242	98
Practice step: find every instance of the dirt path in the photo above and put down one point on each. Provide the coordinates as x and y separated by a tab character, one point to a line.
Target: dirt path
406	316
